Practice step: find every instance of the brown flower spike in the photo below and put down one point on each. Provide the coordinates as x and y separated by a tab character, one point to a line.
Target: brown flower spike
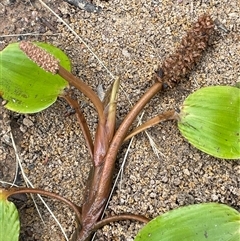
191	48
41	57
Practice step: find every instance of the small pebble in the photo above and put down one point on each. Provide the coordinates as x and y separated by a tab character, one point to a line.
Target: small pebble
27	122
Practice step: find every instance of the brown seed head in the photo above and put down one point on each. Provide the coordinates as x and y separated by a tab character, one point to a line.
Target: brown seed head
191	48
41	57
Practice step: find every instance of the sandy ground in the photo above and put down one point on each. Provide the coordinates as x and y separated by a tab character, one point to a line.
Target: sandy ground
131	38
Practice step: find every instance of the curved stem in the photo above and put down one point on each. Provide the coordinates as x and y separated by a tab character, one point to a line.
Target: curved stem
120	217
75	208
85	89
168	115
82	121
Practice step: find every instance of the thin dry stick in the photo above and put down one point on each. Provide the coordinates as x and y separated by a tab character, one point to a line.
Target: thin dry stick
28	183
9	183
29	34
154	146
71	30
151	141
48	194
15	174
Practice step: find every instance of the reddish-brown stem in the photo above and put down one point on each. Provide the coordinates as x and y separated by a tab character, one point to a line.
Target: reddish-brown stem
120	217
75	208
101	180
86	235
82	121
85	89
108	166
168	115
104	133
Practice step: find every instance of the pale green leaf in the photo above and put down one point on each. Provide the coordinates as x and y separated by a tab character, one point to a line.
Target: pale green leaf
200	222
26	87
210	120
9	220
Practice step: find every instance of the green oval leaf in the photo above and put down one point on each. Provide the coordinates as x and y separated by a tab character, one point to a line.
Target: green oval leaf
26	87
9	220
209	221
210	120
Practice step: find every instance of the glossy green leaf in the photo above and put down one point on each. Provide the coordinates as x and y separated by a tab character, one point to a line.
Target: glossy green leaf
26	87
210	120
209	221
9	220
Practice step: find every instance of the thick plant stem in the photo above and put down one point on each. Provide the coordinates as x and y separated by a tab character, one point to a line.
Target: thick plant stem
104	133
82	121
101	180
108	166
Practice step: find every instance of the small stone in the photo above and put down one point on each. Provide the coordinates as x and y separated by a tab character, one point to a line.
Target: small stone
233	15
23	128
214	197
126	53
6	139
177	182
8	2
152	195
164	179
186	171
27	122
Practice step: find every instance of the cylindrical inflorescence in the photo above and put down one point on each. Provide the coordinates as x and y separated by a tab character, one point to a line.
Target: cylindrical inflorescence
41	57
191	48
